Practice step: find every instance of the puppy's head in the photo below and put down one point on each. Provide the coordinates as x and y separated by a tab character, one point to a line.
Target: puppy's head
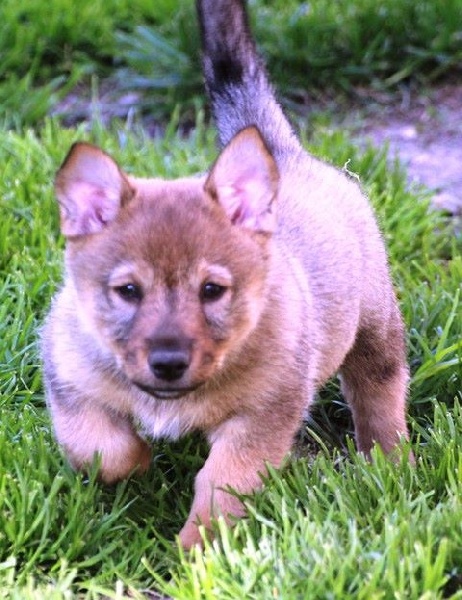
169	275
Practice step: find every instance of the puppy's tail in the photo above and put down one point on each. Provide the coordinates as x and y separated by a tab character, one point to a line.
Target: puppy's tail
236	80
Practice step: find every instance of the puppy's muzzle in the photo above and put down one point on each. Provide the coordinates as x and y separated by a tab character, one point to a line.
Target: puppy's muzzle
169	362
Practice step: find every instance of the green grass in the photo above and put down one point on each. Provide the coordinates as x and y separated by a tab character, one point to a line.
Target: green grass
46	48
308	46
330	527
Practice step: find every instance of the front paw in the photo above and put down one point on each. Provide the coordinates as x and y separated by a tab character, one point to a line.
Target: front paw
121	454
135	459
190	536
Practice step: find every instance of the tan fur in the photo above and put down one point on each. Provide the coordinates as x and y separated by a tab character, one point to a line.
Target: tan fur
303	291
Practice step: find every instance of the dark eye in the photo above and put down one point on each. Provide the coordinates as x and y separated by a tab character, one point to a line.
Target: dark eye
129	292
212	291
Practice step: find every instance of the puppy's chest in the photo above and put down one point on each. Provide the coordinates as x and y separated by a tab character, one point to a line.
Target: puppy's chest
172	419
158	419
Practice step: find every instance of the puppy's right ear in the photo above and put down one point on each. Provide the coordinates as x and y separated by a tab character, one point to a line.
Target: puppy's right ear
90	188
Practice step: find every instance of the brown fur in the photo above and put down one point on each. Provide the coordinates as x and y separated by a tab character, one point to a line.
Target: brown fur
219	303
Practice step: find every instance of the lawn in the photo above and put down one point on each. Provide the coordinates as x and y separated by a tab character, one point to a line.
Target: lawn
328	525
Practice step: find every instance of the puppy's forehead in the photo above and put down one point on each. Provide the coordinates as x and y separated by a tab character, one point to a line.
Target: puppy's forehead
155	189
172	222
171	234
170	209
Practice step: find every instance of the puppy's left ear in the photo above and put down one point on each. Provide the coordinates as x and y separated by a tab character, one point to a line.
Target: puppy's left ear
244	181
90	189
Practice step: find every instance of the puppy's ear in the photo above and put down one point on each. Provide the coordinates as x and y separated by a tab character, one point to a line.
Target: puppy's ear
90	189
244	181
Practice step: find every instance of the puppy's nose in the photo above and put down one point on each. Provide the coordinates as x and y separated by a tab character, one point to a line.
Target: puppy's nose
169	364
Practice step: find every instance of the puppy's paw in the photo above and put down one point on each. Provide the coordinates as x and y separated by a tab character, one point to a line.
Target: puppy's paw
94	432
135	459
190	536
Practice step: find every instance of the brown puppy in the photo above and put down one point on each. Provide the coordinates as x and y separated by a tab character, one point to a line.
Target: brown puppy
219	303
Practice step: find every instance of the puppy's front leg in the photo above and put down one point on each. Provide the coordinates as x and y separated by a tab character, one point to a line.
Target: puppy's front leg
86	429
239	453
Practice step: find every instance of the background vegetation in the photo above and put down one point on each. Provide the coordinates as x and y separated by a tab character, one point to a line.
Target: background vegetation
328	525
46	48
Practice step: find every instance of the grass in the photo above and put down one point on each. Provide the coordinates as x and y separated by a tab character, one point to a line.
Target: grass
333	526
326	526
152	48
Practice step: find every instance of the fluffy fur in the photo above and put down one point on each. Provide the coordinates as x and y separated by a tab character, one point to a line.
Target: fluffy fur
219	303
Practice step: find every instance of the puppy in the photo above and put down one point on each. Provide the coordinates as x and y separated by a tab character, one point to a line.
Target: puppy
219	303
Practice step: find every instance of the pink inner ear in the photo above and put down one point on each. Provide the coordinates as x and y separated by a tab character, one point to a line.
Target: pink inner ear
87	208
244	181
247	202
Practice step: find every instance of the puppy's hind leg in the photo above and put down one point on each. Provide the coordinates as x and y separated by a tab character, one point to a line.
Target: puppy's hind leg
374	379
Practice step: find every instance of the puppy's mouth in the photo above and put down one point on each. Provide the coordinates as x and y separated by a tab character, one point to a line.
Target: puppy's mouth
166	394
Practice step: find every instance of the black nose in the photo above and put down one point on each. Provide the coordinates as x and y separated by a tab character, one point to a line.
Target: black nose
169	364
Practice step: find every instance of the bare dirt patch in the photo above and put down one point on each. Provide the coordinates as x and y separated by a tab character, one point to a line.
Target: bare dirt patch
424	130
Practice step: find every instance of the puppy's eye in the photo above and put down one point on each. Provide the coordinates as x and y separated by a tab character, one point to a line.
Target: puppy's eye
212	291
129	292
